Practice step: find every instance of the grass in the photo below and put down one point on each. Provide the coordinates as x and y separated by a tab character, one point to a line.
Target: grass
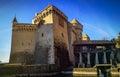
6	69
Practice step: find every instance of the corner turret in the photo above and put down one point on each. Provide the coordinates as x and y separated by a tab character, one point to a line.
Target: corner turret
85	37
14	21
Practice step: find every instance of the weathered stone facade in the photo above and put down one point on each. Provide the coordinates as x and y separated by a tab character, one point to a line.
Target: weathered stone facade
23	42
48	40
44	45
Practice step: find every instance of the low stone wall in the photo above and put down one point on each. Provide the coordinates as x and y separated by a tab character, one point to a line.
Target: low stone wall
85	72
38	68
115	72
12	69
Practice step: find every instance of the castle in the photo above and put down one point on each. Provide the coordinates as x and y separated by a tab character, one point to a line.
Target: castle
52	39
47	40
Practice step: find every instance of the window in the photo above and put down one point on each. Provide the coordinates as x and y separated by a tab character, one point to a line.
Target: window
62	34
61	22
44	15
22	44
50	11
42	35
47	14
29	44
53	11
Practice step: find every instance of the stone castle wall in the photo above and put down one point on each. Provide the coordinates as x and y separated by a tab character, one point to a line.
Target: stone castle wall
61	43
44	53
45	41
72	38
23	43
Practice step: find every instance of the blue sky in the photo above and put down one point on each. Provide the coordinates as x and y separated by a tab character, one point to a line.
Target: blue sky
100	18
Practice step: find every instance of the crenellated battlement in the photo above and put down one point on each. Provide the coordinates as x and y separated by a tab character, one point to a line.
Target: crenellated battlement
25	27
50	9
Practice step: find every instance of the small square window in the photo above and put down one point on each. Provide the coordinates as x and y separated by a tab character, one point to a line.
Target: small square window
62	34
61	22
29	44
42	35
22	44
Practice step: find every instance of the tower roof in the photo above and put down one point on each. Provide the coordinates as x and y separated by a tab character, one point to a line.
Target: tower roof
15	20
85	35
74	21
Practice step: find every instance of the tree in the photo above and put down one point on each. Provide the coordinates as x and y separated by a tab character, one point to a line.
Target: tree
118	41
113	40
0	62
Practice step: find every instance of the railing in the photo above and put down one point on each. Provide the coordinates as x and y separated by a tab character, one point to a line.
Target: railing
97	65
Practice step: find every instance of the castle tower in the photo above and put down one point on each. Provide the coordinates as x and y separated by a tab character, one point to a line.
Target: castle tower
72	37
14	22
51	37
61	45
78	27
23	42
85	37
